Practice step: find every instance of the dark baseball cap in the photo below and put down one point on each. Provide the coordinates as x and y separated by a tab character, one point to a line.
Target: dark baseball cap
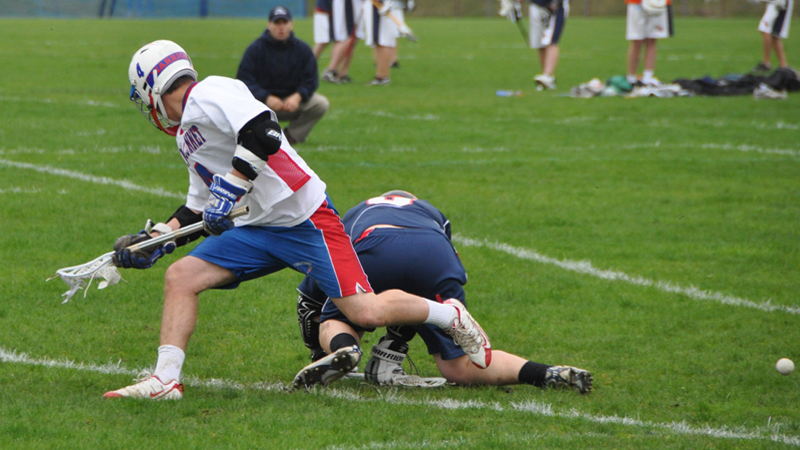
279	12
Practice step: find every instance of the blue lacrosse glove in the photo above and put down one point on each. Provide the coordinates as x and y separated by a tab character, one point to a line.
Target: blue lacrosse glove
140	259
225	192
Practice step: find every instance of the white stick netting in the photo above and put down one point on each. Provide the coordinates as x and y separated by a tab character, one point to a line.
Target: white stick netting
81	276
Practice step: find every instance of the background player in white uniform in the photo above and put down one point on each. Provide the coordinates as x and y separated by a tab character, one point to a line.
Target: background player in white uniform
774	27
236	154
646	27
547	21
337	21
381	33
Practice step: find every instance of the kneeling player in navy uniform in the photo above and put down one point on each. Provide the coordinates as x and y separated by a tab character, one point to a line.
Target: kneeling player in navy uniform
404	243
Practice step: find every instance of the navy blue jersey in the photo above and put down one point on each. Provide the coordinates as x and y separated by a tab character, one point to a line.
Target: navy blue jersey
394	210
417	258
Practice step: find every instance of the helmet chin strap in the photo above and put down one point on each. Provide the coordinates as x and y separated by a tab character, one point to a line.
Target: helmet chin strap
157	120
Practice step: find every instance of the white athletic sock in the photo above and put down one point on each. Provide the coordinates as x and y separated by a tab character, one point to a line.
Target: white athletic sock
170	362
647	76
632	79
440	315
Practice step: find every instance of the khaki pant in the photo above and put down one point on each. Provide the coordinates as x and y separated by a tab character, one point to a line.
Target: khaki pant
307	115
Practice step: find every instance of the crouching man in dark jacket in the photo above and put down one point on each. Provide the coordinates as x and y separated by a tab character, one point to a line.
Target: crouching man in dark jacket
281	71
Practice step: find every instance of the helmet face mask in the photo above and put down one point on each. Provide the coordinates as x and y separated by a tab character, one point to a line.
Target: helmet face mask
152	71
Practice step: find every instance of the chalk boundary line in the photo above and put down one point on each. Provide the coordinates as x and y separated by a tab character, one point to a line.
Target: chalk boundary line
586	267
395	397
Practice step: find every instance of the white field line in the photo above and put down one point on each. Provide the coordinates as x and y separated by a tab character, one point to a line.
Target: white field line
395	397
92	178
586	267
447	443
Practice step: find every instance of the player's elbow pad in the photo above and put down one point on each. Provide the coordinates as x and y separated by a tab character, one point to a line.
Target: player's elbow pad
248	163
261	136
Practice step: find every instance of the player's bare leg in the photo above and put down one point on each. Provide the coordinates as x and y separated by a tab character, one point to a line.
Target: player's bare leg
340	57
551	53
319	48
780	52
183	283
634	53
650	52
504	370
384	57
511	369
766	43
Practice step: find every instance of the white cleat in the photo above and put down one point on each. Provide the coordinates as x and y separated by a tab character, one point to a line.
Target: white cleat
466	332
544	82
149	386
328	369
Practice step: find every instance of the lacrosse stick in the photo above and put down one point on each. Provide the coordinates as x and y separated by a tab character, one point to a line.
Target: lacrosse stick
102	267
407	380
522	30
405	30
353	38
512	10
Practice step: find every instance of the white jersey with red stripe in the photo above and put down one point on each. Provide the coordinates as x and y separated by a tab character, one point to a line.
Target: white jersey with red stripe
285	193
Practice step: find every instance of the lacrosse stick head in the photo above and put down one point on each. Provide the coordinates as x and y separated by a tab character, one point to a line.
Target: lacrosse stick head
76	276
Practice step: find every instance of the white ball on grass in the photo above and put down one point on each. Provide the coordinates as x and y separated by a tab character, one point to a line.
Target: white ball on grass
785	366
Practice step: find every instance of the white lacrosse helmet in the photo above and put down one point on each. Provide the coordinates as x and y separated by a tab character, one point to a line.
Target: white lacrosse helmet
153	69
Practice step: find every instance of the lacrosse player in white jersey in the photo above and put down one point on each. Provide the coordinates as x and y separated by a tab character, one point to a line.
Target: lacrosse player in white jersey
384	22
337	21
236	154
774	27
647	21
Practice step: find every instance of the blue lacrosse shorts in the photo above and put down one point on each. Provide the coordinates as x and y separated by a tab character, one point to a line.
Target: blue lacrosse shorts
318	248
419	261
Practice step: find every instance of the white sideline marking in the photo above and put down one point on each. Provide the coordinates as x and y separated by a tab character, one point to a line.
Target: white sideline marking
447	443
92	179
752	148
587	268
394	396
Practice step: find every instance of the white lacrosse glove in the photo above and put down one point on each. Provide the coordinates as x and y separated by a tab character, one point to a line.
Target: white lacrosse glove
386	362
387	5
411	5
406	32
511	9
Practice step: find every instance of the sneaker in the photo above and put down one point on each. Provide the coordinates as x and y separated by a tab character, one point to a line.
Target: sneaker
468	335
763	91
330	76
652	82
149	386
345	79
544	82
379	82
569	377
761	69
328	369
395	65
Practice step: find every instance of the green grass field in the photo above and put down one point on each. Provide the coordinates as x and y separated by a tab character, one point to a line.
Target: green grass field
651	241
